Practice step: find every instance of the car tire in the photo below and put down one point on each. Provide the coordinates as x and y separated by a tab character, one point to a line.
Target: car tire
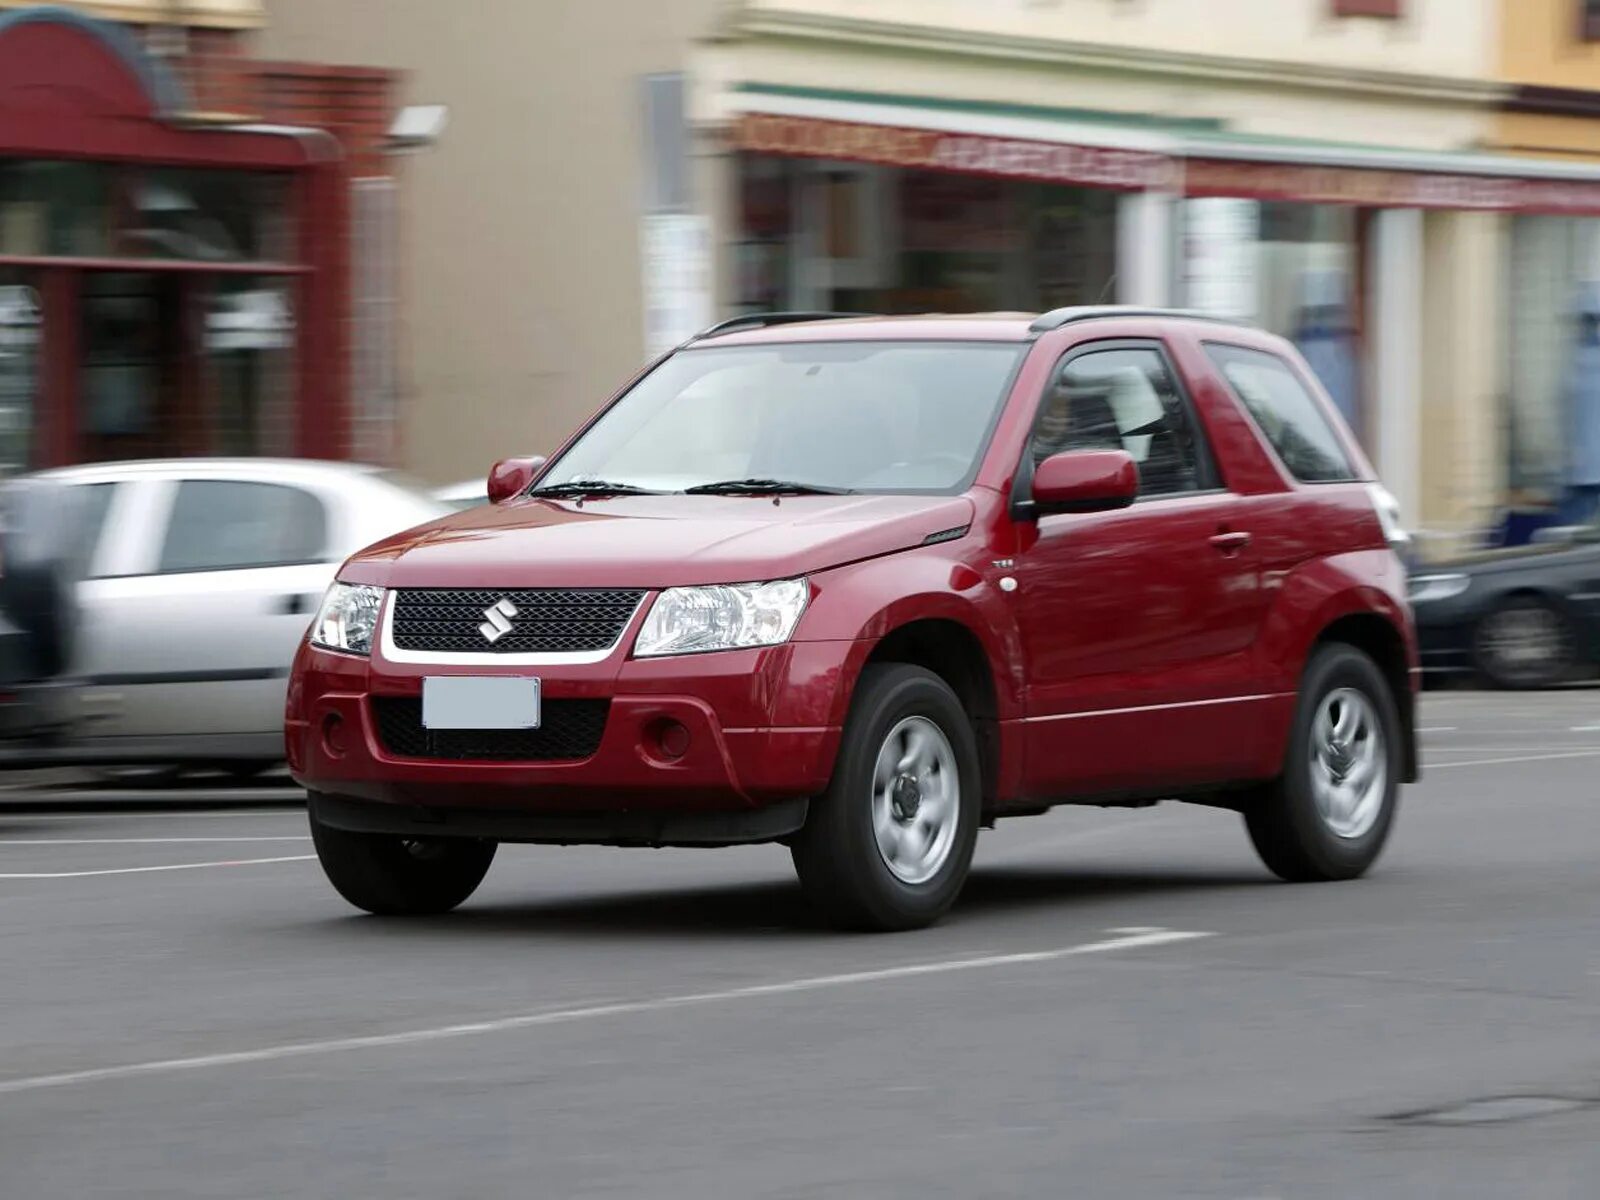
889	844
393	876
1524	643
1328	815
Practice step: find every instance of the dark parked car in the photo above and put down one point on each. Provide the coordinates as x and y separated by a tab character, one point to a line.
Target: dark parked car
863	586
1522	618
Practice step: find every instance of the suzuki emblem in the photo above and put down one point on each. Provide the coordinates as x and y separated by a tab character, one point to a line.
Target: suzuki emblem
499	621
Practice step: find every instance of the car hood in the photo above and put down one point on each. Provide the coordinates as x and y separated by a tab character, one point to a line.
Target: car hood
653	541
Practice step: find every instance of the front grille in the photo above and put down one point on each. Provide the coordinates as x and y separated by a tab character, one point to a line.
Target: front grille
547	620
570	731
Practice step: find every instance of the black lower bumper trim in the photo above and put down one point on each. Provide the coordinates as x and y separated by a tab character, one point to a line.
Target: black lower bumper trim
769	824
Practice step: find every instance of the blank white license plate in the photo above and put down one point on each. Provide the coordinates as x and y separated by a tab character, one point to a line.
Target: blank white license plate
480	702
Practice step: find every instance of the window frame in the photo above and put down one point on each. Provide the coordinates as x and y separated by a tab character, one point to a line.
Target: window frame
1588	21
1335	426
1209	476
159	544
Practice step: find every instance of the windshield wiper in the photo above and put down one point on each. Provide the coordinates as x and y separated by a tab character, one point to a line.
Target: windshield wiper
763	487
592	487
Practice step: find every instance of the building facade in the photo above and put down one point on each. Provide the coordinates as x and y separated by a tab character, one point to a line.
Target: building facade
179	268
561	227
1406	188
1549	344
1323	167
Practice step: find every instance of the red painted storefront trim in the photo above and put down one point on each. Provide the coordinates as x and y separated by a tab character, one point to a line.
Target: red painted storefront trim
72	88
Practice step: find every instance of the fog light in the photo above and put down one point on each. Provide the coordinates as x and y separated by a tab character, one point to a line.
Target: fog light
666	739
334	741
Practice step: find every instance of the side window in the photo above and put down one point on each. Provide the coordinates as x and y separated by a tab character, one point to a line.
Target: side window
223	524
1122	399
94	505
1287	413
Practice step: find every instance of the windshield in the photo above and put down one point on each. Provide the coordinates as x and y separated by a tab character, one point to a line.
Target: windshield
852	416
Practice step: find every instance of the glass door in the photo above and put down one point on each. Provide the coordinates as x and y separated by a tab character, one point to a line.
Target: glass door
130	376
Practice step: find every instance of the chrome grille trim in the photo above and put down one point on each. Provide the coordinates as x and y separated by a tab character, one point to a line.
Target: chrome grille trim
393	653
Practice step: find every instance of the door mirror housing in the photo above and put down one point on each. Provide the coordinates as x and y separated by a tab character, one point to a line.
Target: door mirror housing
1084	481
511	476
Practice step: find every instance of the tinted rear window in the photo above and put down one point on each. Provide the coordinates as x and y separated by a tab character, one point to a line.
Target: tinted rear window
1286	412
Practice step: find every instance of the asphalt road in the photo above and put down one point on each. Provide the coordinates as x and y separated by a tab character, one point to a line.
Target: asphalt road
1124	1005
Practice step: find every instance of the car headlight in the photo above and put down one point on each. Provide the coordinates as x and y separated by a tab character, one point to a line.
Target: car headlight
690	620
1426	589
348	618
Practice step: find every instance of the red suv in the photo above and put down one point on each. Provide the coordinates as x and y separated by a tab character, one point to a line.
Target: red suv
864	585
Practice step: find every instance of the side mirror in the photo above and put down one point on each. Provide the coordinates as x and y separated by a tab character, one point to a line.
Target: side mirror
511	476
1082	481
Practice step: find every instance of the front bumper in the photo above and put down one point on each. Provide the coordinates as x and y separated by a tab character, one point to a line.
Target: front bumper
763	727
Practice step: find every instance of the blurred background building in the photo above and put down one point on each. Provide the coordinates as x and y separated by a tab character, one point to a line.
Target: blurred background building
1348	173
1409	189
182	261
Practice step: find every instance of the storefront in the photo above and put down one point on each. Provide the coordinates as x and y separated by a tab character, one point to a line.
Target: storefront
1433	293
867	237
167	285
852	215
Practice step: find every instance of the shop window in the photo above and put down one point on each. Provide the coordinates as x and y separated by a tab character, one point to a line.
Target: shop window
1589	20
766	250
54	208
1553	398
92	210
249	345
20	329
128	365
1122	400
208	216
1368	8
1291	268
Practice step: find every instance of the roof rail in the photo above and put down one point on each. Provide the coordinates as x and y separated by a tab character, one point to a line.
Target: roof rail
766	320
1059	317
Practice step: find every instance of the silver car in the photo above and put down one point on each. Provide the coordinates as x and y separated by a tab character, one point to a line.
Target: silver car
202	578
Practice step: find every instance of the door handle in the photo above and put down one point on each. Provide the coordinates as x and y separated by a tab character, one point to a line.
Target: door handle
1231	542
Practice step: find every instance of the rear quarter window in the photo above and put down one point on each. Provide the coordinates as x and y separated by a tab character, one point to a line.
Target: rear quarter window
1286	412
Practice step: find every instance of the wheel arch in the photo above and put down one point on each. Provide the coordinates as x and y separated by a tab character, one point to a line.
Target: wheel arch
1376	636
954	652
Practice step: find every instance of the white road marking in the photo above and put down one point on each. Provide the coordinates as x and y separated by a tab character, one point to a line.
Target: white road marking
178	796
1586	729
1440	729
152	841
168	814
563	1016
1521	758
232	862
1554	748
